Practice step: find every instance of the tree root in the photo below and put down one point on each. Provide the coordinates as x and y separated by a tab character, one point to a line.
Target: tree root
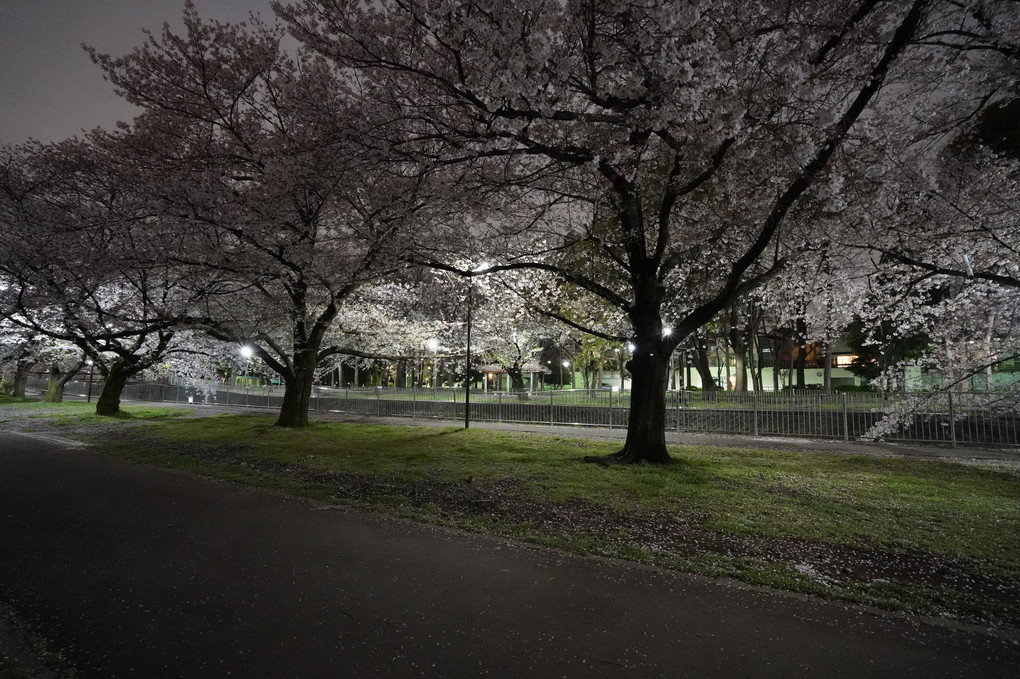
606	461
622	456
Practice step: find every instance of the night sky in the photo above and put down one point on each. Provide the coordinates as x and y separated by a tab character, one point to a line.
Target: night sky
49	88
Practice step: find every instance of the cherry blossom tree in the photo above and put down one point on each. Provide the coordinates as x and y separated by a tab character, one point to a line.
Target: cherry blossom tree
81	263
686	138
18	348
947	258
64	361
256	158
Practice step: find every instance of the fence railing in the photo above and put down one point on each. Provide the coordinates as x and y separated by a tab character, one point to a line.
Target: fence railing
946	418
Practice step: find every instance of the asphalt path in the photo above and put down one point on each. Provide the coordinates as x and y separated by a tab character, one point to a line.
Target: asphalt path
136	571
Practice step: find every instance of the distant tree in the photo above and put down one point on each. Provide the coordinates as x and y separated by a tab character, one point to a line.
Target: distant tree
18	351
256	157
947	262
880	348
84	263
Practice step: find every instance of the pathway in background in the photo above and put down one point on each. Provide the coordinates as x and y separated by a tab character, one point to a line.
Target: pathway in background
674	438
964	420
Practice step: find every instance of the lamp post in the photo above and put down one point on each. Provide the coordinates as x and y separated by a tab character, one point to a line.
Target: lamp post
630	350
247	353
433	345
667	332
467	363
684	379
92	367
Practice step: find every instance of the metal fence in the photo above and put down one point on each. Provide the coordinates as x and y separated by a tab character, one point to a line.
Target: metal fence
947	418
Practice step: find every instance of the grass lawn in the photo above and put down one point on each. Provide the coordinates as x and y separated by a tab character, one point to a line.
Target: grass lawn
72	412
924	535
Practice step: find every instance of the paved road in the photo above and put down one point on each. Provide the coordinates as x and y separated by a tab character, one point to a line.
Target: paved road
136	571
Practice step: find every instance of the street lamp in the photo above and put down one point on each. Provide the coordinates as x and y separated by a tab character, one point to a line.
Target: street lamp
566	364
92	367
246	353
467	364
433	345
666	332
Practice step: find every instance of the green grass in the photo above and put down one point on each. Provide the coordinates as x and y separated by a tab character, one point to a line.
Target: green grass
694	400
856	501
939	512
7	399
75	412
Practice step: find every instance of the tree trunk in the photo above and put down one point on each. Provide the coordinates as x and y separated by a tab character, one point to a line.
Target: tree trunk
704	369
646	428
21	371
108	403
517	386
54	386
738	343
755	357
297	394
57	382
740	357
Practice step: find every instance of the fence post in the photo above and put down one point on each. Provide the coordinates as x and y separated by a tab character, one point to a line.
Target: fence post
679	408
551	416
610	407
414	410
952	420
846	421
378	405
754	401
499	406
